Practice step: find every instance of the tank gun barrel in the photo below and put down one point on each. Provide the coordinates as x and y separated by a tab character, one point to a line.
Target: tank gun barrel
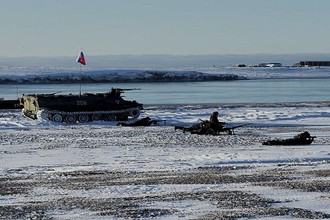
54	93
120	89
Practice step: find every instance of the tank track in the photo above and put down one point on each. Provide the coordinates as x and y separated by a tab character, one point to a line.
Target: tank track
120	116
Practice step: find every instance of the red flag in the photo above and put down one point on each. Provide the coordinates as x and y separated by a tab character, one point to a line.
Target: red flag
81	59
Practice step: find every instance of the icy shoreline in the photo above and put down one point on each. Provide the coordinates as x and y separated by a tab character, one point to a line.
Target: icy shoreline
44	75
114	76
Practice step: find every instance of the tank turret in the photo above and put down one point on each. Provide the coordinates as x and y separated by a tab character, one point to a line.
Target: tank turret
109	106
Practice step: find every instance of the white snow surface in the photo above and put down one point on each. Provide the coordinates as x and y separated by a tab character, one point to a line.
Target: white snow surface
29	147
299	118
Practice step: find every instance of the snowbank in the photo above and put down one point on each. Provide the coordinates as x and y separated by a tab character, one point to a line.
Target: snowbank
31	75
45	75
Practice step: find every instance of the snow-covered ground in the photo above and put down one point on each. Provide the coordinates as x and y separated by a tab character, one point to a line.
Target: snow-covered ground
100	171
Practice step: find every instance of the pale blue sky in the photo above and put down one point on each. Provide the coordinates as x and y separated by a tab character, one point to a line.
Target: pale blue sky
177	27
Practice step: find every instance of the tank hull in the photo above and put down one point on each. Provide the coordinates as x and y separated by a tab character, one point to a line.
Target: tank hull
10	104
81	108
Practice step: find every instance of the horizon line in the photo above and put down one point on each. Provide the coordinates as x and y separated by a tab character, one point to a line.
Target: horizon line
169	55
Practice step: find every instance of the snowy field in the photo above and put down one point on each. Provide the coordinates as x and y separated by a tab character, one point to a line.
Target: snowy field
101	171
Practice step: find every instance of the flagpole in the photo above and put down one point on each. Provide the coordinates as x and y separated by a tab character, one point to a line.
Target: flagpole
81	60
80	78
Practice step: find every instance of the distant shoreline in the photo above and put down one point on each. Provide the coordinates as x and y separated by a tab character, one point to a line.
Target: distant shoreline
120	76
38	75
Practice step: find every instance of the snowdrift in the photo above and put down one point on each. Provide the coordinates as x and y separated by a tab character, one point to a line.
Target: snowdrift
45	75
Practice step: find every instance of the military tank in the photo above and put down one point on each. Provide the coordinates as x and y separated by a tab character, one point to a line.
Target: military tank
86	107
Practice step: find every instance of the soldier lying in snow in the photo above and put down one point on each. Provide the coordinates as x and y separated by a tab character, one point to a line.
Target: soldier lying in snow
303	138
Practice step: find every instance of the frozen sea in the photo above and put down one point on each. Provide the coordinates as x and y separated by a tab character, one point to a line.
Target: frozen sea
252	85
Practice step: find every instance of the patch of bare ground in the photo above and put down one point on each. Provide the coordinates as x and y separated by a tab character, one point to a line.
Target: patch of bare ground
310	185
268	212
309	181
230	204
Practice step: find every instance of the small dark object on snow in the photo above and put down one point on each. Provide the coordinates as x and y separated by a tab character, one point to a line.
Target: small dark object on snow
303	138
142	122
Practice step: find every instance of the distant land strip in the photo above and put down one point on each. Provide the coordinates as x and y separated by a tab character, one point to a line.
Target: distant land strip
116	77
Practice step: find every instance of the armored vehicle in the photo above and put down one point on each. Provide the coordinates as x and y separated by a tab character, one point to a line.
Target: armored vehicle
109	106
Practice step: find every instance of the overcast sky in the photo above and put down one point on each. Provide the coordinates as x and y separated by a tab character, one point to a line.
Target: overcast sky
176	27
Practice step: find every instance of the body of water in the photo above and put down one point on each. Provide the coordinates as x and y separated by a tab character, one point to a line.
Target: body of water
216	92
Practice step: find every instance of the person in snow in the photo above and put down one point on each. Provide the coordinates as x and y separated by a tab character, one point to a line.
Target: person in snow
212	126
303	138
215	124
